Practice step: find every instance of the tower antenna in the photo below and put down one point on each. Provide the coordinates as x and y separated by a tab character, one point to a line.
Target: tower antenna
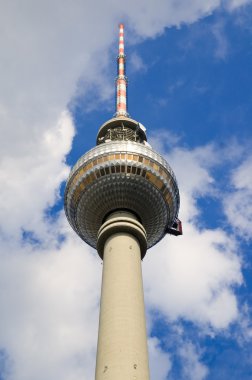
121	79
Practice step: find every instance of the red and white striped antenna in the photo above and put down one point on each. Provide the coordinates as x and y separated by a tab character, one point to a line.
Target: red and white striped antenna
121	80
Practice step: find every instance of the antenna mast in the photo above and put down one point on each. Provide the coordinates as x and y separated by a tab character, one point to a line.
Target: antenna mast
121	80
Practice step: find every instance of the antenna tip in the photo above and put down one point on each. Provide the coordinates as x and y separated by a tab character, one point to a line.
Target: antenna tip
121	26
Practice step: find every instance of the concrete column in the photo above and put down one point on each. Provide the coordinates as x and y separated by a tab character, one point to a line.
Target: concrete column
122	343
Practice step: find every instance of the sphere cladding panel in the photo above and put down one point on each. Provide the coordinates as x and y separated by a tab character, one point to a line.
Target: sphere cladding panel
121	175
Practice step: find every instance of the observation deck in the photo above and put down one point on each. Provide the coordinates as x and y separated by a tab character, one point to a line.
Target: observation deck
121	173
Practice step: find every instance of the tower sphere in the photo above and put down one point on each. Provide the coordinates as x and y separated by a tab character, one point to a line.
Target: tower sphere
121	173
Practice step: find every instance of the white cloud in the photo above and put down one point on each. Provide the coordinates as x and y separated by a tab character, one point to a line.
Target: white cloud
49	310
197	272
233	4
31	180
137	63
238	204
160	363
193	369
222	45
196	275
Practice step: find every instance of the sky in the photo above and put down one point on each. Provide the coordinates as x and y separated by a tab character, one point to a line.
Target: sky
188	64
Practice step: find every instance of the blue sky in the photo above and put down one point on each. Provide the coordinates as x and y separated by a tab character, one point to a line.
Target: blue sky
190	85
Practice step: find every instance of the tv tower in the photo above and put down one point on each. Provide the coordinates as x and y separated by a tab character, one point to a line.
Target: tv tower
121	198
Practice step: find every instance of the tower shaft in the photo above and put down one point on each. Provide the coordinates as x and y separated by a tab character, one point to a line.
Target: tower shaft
122	342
